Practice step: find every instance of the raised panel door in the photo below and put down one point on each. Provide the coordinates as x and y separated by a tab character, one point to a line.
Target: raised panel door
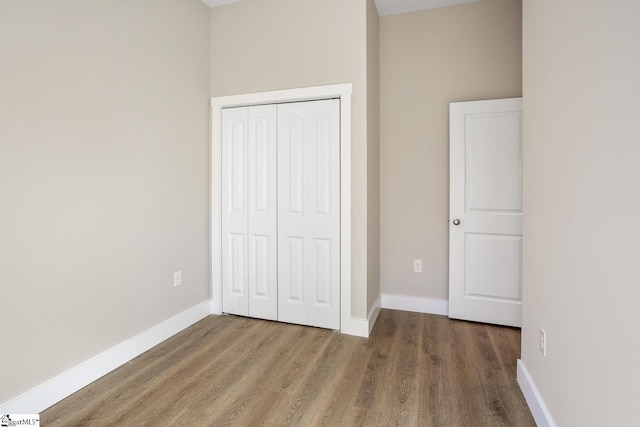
485	237
309	213
235	225
262	213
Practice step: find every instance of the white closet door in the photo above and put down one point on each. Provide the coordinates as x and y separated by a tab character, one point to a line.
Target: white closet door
263	242
309	213
249	246
235	219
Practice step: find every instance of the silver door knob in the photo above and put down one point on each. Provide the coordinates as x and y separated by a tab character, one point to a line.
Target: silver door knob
456	221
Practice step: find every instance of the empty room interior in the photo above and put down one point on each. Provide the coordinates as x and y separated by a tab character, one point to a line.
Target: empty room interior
262	212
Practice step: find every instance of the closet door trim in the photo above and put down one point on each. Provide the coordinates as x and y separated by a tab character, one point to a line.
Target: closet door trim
341	91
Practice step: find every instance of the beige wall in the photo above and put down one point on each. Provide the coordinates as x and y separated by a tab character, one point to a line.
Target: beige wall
103	176
373	154
581	183
427	60
261	45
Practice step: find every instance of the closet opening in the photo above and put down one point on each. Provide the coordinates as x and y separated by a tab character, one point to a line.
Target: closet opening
230	250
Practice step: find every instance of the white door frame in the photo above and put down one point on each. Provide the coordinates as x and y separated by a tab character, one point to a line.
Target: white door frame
342	91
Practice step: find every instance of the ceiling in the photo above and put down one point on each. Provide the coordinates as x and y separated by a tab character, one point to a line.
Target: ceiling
394	7
385	7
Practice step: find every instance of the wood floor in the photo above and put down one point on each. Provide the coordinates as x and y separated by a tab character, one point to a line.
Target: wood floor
414	370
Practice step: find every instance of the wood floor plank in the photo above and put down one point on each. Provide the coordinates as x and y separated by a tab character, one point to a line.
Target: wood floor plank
392	397
308	395
340	397
252	388
415	369
380	342
403	376
436	351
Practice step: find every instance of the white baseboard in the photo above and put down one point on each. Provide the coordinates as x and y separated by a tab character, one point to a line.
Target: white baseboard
374	312
416	304
43	396
534	400
216	307
357	327
362	327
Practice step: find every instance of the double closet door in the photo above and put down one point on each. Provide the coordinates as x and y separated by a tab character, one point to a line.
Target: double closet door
281	212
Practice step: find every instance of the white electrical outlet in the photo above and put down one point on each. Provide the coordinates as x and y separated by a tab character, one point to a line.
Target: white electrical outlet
177	278
543	342
417	266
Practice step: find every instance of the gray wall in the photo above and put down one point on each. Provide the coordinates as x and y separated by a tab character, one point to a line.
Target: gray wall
373	154
581	185
104	141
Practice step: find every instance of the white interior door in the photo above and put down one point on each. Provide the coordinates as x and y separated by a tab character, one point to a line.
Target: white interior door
235	218
249	223
309	213
263	211
485	225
